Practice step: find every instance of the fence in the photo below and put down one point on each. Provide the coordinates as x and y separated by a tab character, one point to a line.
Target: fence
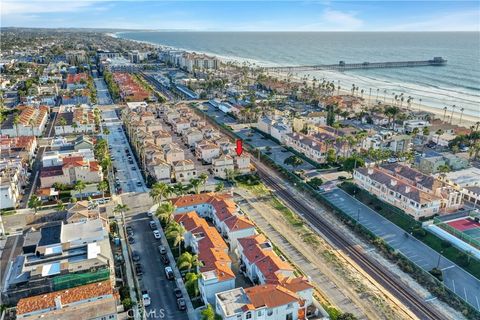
457	233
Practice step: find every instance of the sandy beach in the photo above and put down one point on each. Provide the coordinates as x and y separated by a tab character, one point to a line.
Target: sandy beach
467	120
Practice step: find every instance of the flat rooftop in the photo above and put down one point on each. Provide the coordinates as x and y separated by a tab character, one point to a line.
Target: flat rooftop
233	301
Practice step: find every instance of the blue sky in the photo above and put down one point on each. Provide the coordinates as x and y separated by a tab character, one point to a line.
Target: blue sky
255	15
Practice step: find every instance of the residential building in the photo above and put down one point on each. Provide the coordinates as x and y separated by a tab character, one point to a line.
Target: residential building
279	129
173	153
311	147
430	162
71	170
31	122
184	170
242	163
222	211
91	301
410	125
13	178
261	302
207	151
77	120
216	272
59	256
192	136
467	181
222	165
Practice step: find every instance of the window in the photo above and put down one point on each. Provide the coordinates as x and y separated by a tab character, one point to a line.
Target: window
248	315
259	313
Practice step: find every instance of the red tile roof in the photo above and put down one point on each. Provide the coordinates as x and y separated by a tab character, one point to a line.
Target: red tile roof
270	296
46	301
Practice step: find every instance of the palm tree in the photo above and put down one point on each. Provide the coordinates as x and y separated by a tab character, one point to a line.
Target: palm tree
175	233
444	113
439	132
62	122
75	126
121	208
165	212
179	189
80	186
203	178
60	206
102	186
195	183
219	187
16	121
188	261
159	191
34	203
191	284
461	115
31	122
451	115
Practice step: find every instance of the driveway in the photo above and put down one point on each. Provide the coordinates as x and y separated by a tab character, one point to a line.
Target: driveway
455	278
163	301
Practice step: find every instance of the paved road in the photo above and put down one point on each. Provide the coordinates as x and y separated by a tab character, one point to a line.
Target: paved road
37	164
457	279
128	174
103	96
159	288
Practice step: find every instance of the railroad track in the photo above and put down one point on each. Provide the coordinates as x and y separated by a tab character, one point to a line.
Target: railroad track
415	303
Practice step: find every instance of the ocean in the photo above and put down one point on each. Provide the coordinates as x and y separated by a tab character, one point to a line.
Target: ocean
457	83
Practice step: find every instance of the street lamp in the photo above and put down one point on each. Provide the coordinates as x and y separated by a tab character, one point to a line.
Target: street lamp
439	256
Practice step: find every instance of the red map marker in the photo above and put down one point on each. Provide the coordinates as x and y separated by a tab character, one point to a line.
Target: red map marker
239	148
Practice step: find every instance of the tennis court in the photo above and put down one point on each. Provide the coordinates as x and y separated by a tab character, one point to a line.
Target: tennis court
464	224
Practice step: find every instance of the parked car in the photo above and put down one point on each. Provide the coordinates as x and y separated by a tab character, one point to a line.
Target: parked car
149	214
165	259
139	184
178	293
138	270
169	273
135	256
162	250
153	225
157	234
146	298
131	240
182	305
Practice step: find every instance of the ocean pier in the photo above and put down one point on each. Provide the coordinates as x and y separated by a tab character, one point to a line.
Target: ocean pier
341	66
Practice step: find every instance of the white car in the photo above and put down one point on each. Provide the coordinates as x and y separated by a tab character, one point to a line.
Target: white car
146	298
156	234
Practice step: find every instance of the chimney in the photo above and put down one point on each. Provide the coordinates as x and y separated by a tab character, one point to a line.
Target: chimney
58	303
370	170
407	189
393	182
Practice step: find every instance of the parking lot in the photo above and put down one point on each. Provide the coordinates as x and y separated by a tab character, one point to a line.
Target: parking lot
457	279
163	301
127	176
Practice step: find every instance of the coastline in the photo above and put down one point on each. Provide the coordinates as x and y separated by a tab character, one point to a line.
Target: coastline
468	119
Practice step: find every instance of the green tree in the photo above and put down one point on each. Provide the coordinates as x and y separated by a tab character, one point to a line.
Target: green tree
62	122
331	156
203	179
121	208
179	189
34	203
159	191
16	121
330	115
80	186
165	212
209	313
346	316
350	163
175	232
191	284
196	183
219	187
60	206
188	261
293	161
102	186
